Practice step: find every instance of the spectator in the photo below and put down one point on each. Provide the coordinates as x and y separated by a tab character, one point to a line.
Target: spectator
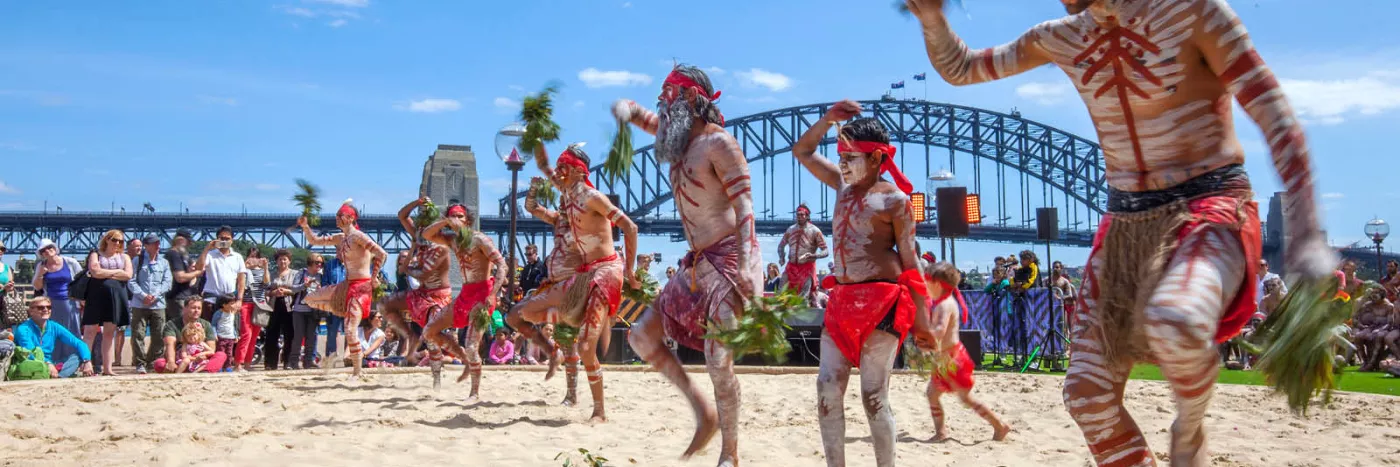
388	354
194	355
7	279
108	302
279	325
773	278
40	332
182	275
189	314
1029	271
334	274
1264	277
371	333
502	349
535	269
226	331
51	278
225	273
402	280
304	318
670	272
148	288
255	295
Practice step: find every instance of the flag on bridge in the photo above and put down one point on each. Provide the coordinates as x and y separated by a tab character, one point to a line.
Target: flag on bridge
920	76
899	85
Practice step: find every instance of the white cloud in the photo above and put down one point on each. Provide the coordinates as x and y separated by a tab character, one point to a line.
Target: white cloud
337	23
432	105
714	70
516	88
768	79
595	78
229	101
9	190
344	3
1045	93
267	187
506	103
1333	196
299	11
1330	102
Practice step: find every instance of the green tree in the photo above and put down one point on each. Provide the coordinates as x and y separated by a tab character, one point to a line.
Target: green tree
24	271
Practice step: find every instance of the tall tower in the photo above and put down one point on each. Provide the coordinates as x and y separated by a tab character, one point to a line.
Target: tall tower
449	177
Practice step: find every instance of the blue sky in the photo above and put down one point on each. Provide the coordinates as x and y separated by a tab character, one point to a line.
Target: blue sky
354	94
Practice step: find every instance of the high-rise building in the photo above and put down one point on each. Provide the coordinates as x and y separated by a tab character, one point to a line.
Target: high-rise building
449	177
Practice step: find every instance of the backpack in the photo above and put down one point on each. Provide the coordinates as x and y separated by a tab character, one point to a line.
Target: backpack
28	364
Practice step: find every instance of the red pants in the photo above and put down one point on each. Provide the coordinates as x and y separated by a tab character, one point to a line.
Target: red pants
214	365
247	338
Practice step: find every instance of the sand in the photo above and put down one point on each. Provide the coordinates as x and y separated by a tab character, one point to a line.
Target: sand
396	418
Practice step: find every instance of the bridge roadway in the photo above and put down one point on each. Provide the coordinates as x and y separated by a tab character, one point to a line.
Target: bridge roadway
78	231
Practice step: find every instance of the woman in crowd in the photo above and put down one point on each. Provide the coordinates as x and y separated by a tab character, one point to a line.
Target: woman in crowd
53	273
257	293
279	326
304	318
108	301
772	278
371	332
7	278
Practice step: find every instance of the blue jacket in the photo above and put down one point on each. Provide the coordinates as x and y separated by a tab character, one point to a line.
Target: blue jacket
28	336
334	273
151	279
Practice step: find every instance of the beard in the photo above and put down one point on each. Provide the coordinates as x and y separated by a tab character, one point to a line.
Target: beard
673	131
1074	7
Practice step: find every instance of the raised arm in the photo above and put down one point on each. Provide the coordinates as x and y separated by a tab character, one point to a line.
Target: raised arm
600	204
628	111
406	211
533	206
311	238
733	172
542	161
434	233
1227	49
806	148
959	65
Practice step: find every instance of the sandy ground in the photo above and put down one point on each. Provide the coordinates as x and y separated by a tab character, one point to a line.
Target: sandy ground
323	419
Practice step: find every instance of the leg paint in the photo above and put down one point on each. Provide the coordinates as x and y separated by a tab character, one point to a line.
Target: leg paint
1181	321
935	409
646	339
571	361
471	356
999	429
832	377
720	364
877	360
352	342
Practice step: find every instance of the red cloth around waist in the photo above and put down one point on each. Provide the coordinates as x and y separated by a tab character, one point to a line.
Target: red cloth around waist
471	295
960	379
361	292
797	274
420	301
853	311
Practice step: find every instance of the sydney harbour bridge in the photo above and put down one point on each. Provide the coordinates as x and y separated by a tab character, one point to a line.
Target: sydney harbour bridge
1015	165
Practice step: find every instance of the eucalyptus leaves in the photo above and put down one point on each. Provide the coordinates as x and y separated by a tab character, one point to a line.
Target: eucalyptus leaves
763	328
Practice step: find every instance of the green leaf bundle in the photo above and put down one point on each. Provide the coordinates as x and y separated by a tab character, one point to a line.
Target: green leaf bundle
763	328
537	112
308	198
565	335
1297	343
428	213
465	235
929	364
544	192
481	319
620	155
646	291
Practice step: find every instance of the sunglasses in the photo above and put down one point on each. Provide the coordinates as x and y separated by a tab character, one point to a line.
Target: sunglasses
116	240
37	307
2	249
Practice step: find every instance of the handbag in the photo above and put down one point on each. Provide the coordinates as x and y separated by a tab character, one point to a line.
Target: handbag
262	313
15	310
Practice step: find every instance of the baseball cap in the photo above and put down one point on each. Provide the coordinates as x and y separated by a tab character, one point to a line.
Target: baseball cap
150	239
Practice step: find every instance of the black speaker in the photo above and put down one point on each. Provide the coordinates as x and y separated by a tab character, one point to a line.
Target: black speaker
616	202
952	211
972	341
1047	224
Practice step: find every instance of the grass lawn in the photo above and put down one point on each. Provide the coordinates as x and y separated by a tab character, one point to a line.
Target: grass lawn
1351	380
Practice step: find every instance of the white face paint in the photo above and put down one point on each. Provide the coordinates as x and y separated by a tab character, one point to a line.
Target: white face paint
854	167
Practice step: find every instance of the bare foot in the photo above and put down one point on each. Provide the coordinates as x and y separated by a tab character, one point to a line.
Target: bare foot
704	431
570	400
466	373
553	366
597	418
728	462
473	399
940	436
999	433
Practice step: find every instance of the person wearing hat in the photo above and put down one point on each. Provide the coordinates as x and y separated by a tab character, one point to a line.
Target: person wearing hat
148	288
182	275
53	272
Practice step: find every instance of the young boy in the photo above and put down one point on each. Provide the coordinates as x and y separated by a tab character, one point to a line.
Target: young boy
942	280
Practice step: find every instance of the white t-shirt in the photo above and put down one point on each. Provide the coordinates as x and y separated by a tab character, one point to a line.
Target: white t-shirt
221	272
366	341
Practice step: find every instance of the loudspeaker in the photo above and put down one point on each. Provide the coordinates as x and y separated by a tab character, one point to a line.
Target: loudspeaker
972	341
952	211
617	202
1047	224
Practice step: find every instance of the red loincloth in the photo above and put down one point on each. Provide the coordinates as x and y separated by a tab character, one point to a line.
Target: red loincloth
854	310
471	295
704	282
960	379
421	301
598	281
801	277
359	291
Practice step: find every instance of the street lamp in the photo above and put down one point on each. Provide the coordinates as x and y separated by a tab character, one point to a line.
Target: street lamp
1377	229
507	142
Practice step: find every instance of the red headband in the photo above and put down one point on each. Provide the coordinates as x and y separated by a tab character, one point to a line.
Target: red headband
568	158
951	290
348	210
682	81
928	256
803	209
886	165
456	209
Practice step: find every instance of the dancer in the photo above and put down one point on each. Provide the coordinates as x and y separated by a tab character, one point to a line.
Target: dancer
481	288
723	269
948	306
879	291
590	297
564	259
1157	77
430	264
808	245
363	259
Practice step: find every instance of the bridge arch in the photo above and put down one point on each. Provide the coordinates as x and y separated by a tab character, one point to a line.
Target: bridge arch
1069	169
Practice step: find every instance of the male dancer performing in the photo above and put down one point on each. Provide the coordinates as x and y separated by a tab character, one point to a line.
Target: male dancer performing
480	289
1172	268
942	280
564	259
429	263
363	258
724	267
879	291
808	245
590	298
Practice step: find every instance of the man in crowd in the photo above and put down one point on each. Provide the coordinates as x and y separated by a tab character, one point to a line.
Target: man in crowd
225	274
172	334
808	245
724	268
39	332
534	271
879	295
183	275
1264	277
148	288
363	259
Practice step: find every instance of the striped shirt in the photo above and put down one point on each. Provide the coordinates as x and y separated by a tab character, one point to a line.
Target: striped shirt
257	286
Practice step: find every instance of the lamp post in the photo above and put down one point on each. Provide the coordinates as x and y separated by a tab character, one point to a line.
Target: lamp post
507	141
1377	229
